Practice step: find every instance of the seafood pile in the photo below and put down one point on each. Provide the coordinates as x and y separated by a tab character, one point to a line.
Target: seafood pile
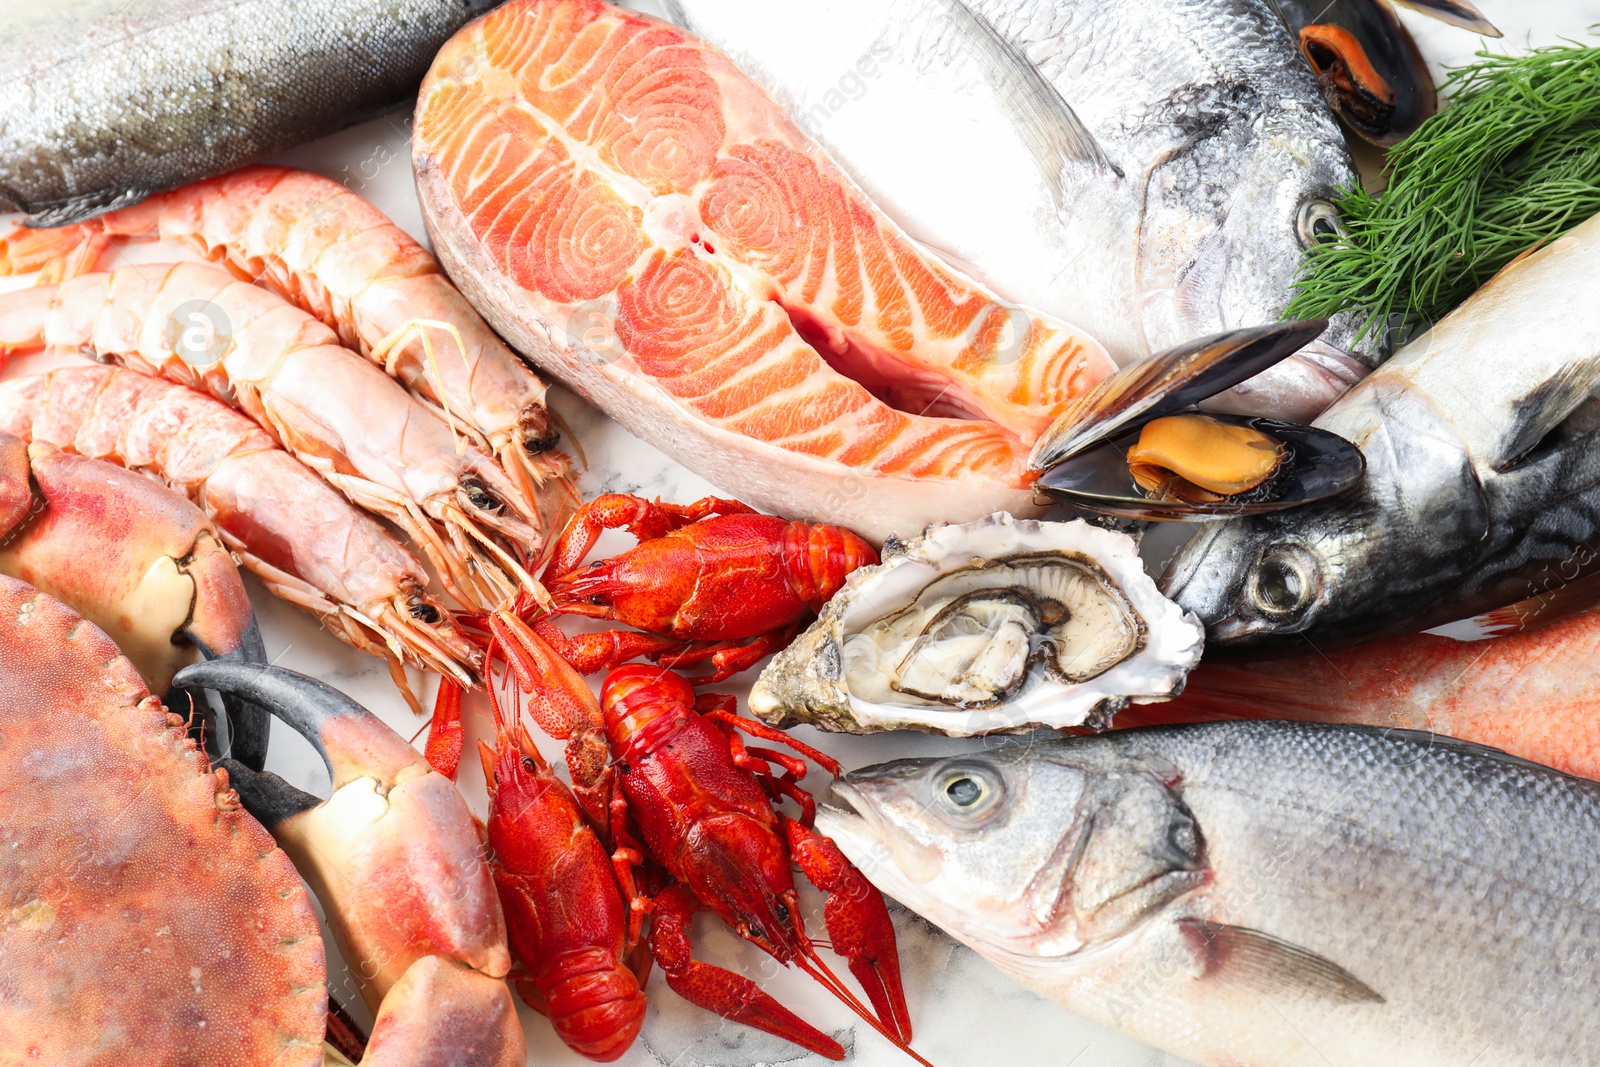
978	317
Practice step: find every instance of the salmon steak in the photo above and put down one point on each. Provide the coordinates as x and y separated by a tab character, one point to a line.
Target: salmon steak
642	221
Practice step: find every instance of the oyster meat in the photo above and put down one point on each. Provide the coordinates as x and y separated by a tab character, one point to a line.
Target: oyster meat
984	626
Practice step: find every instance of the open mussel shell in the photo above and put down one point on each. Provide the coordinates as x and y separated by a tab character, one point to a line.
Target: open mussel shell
1371	72
1166	383
1319	465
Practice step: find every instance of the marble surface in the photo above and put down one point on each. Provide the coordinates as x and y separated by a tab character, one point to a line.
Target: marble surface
964	1012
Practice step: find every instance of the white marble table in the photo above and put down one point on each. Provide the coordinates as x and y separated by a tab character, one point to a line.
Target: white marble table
964	1012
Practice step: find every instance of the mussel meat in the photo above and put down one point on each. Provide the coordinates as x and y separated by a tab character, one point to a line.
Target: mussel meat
1204	460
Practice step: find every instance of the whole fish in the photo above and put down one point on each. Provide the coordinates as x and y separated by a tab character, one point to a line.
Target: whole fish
1531	694
103	102
1483	479
1149	170
1264	893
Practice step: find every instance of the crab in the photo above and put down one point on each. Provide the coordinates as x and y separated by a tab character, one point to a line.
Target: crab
141	908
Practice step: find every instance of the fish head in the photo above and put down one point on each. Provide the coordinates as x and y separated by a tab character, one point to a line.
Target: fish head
1227	218
1033	852
1360	566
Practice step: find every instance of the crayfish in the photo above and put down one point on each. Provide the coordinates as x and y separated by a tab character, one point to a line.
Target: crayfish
681	818
713	580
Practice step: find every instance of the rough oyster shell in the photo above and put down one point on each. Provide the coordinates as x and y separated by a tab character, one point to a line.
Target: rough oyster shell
972	628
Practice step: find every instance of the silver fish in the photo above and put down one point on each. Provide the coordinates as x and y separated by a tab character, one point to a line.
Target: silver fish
1263	893
1482	484
103	102
1149	170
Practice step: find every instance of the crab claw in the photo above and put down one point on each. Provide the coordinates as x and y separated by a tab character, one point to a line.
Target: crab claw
136	559
445	1015
393	853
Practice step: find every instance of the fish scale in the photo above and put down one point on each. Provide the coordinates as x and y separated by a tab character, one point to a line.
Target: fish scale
1404	899
103	102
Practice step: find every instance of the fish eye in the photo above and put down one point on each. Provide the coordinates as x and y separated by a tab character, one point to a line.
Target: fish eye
1285	581
1319	223
969	792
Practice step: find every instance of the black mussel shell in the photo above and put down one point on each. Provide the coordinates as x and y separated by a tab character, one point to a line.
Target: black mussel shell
1456	13
1371	72
1319	465
1168	382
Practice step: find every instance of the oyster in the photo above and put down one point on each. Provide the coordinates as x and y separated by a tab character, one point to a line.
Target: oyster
984	626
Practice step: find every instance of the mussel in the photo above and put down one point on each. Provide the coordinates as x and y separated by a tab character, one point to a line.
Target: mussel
1308	465
1131	447
1371	72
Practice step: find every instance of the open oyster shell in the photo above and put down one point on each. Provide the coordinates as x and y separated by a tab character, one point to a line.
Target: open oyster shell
985	626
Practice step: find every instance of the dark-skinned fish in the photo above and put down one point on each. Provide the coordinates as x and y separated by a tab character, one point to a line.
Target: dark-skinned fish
1482	485
103	102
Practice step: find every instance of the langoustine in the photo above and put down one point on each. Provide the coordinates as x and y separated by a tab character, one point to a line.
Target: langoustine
289	527
339	258
199	326
639	219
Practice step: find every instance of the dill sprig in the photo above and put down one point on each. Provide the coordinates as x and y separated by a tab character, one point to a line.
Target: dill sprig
1512	161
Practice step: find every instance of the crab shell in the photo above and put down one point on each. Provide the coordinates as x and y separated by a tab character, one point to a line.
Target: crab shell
144	915
810	681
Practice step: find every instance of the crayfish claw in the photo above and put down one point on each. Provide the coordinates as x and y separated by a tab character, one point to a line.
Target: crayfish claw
858	923
718	990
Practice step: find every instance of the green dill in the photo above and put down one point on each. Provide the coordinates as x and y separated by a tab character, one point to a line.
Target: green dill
1512	161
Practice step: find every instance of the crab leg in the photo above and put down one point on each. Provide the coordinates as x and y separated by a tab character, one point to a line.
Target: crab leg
393	854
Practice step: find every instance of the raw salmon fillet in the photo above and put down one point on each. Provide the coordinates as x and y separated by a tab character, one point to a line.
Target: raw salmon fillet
641	220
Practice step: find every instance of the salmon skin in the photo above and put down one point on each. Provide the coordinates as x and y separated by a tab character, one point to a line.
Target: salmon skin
641	220
103	102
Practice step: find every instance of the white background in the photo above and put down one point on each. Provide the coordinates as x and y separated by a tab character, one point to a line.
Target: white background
964	1012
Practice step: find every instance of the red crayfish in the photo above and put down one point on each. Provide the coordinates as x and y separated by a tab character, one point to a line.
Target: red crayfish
713	580
691	822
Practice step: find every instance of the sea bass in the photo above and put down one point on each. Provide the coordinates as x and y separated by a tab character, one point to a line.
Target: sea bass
103	102
1483	479
1150	170
638	218
1264	893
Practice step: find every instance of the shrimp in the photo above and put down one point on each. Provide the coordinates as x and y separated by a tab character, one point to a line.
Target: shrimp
338	257
199	326
288	527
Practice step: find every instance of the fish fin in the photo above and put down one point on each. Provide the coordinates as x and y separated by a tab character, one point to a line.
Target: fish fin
1535	612
1542	409
78	208
1056	138
1454	12
674	13
1268	965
